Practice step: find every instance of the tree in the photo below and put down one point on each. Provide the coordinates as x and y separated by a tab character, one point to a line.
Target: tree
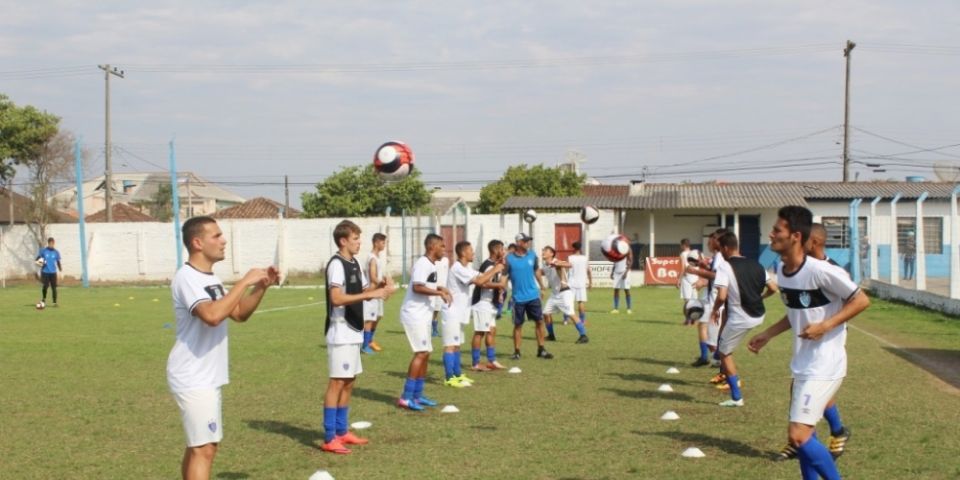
24	131
53	165
359	192
524	181
160	204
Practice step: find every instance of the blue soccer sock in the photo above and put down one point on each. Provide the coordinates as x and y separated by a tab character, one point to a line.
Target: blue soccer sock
832	414
491	354
734	382
583	317
342	415
629	302
475	356
716	354
616	302
447	365
373	330
704	350
816	456
367	336
580	328
418	388
457	364
434	325
550	329
408	387
329	423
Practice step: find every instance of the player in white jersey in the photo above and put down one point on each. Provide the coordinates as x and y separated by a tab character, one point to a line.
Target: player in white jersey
347	289
376	269
197	367
485	310
819	298
443	270
561	296
620	274
457	313
415	315
688	283
706	330
742	285
580	280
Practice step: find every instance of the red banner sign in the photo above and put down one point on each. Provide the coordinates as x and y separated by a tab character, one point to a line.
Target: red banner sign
662	270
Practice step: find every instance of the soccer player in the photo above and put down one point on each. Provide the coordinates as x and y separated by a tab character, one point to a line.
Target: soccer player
506	299
443	269
817	242
740	286
621	281
688	282
415	315
373	309
347	290
561	296
819	298
706	330
485	311
580	280
523	269
197	367
49	259
457	312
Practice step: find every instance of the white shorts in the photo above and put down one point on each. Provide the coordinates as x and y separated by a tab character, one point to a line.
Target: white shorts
687	292
579	294
343	360
418	334
731	337
452	333
810	398
437	303
484	321
372	310
622	280
713	330
202	415
562	301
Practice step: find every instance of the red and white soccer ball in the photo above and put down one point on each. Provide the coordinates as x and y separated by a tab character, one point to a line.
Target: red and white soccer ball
589	214
615	247
393	161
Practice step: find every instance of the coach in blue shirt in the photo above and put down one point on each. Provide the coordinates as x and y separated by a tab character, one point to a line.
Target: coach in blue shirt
49	259
523	268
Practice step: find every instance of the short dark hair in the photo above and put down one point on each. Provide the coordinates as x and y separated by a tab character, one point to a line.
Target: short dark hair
818	228
379	237
343	230
718	232
493	244
552	250
799	219
512	246
576	245
460	247
50	239
193	228
728	240
684	241
431	239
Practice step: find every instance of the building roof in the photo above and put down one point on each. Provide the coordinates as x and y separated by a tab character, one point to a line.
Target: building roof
679	196
21	205
122	213
259	207
142	186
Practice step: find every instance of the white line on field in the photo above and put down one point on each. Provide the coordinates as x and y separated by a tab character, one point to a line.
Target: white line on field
879	339
291	307
920	360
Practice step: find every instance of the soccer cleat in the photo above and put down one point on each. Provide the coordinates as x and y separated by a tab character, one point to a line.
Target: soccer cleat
731	403
465	379
376	346
551	338
335	446
495	365
454	382
436	333
839	442
424	401
699	362
615	311
480	368
350	439
544	355
515	356
565	321
583	339
629	311
726	386
718	378
788	452
367	350
409	404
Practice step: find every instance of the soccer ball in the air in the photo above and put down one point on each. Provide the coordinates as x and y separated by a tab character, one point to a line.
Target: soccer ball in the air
615	247
693	310
530	216
393	160
589	214
41	305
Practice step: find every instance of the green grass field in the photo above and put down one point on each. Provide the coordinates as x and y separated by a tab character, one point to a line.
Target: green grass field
84	395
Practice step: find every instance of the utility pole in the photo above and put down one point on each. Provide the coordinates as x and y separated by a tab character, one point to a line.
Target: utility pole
846	113
108	174
286	195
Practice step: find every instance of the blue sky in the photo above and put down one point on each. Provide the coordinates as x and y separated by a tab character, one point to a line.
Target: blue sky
477	86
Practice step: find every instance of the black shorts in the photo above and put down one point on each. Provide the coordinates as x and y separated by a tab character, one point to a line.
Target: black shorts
49	279
531	310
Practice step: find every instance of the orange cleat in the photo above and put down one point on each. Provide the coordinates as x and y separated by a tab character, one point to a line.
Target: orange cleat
350	439
334	446
718	378
376	347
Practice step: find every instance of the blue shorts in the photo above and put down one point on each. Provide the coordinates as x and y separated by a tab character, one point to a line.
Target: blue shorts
531	310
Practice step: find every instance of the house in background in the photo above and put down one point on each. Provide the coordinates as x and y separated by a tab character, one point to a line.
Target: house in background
259	207
122	213
14	209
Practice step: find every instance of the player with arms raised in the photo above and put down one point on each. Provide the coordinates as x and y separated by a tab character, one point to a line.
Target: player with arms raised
485	310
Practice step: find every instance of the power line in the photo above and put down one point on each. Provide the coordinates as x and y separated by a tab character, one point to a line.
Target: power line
898	142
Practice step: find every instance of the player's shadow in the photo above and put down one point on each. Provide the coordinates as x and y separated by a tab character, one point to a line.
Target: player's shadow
652	361
233	475
642	394
643	377
374	396
727	445
943	364
305	436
